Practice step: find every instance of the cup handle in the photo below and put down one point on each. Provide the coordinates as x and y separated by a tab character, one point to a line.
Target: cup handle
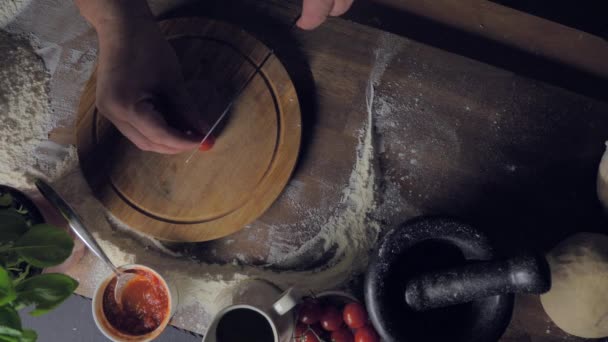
287	301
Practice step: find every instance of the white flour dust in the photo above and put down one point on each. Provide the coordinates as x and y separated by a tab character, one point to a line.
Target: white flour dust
350	232
9	9
25	115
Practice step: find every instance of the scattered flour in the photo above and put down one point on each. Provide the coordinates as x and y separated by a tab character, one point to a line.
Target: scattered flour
350	232
25	115
9	10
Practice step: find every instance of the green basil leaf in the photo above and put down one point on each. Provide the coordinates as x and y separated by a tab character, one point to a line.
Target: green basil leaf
28	335
23	274
22	210
11	259
12	226
5	338
9	318
7	292
9	332
45	291
6	200
44	245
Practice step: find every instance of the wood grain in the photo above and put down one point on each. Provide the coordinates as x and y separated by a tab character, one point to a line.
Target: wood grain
221	190
517	29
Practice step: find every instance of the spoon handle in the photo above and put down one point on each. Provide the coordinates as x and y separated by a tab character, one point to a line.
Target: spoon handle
74	221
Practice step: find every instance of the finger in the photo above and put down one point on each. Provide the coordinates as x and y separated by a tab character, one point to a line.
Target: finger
189	112
133	135
141	141
314	13
137	138
340	7
151	124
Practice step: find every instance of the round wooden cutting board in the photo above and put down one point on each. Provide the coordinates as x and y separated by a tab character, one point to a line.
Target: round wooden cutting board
219	191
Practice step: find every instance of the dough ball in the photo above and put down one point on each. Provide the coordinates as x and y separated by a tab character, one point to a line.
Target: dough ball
602	180
578	299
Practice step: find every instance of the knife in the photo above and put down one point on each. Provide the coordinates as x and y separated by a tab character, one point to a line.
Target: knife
217	122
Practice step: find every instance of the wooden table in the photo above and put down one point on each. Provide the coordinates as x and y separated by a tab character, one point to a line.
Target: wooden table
513	155
474	133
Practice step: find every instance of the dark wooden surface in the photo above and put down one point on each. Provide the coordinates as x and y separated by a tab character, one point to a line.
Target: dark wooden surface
490	33
513	155
586	15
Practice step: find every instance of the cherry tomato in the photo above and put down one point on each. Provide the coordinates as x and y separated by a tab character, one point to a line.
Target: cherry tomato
310	312
366	334
208	144
300	330
331	319
354	315
309	336
318	330
342	335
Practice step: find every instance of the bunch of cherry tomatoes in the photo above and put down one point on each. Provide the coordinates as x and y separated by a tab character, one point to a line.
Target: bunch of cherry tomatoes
325	321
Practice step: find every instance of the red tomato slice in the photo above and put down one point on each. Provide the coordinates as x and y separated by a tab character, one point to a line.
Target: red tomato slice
208	144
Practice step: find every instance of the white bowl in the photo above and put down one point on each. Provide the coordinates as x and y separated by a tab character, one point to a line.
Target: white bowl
112	333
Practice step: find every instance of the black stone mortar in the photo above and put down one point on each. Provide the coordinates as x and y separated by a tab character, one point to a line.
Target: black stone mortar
416	248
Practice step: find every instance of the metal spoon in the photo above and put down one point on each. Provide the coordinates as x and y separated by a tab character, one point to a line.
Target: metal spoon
122	278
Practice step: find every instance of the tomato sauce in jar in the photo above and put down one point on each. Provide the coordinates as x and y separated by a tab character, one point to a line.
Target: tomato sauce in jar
145	304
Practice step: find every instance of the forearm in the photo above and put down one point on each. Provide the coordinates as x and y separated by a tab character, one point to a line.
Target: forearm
104	13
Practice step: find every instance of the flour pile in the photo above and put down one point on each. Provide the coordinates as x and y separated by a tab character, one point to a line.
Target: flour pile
9	10
25	115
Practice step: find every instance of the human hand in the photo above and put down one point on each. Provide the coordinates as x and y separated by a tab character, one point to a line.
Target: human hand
314	12
140	85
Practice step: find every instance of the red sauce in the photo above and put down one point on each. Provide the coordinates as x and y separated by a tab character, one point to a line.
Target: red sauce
145	304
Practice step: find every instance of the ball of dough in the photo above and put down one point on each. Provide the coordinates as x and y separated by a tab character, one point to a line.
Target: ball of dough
602	180
578	299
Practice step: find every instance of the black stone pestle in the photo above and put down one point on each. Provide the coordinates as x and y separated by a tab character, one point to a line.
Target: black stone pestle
526	273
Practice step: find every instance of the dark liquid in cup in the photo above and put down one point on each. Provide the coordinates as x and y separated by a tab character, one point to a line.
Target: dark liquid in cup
242	325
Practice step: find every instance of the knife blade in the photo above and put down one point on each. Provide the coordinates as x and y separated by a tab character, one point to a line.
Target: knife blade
232	101
222	116
217	122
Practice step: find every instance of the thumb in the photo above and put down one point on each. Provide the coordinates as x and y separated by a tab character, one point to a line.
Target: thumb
148	121
314	13
340	7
